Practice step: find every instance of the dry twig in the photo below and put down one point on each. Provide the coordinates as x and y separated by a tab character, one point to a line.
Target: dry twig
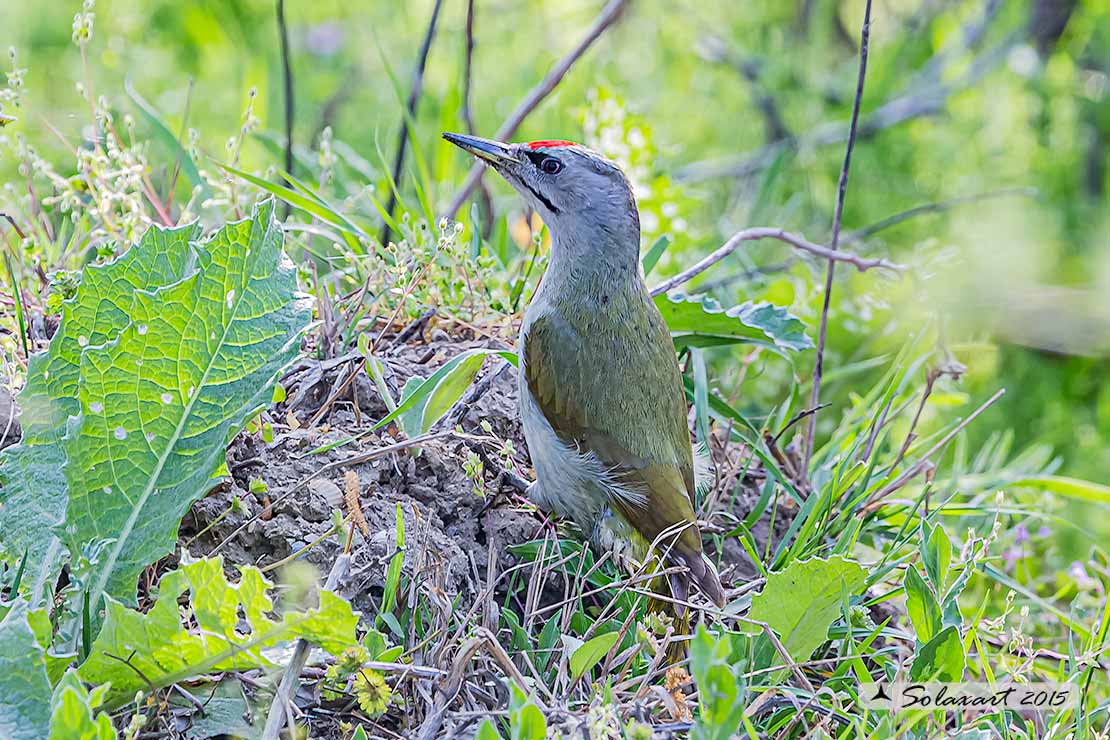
842	190
936	207
924	461
536	95
766	232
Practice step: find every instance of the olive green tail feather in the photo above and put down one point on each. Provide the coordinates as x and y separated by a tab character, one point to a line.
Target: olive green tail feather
705	576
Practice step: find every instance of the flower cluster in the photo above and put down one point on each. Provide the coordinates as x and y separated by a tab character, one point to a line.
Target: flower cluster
226	194
83	23
11	94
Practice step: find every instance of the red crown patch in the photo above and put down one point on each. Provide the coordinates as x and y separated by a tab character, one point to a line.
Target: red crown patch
550	143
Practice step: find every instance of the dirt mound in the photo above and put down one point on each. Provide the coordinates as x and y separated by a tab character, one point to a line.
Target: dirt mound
449	527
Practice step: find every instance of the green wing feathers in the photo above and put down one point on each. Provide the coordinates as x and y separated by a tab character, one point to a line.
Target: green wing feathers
632	415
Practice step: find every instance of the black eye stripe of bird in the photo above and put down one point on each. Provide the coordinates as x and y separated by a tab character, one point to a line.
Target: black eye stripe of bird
601	397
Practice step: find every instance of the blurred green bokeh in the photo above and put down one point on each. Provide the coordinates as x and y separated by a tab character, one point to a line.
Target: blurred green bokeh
1020	284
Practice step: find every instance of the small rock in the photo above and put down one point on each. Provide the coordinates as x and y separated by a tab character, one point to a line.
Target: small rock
327	490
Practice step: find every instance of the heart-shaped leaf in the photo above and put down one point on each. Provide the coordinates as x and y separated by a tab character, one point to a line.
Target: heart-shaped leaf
801	601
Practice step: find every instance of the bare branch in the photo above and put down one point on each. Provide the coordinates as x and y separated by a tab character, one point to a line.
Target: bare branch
927	97
411	106
842	190
924	460
536	95
467	113
485	201
767	232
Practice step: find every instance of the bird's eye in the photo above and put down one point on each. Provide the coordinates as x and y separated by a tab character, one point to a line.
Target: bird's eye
551	166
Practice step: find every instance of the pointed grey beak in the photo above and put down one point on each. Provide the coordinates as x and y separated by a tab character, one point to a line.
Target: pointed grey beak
492	151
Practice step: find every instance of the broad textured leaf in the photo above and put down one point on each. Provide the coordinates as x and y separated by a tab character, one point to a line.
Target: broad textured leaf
590	654
32	502
166	651
75	712
922	606
940	659
801	601
96	315
24	686
32	488
700	321
160	402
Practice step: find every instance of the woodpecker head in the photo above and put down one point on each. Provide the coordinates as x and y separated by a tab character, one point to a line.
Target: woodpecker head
581	196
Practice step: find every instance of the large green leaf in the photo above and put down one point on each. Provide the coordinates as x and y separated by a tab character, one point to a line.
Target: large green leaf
699	321
32	488
24	686
32	502
800	602
159	403
163	650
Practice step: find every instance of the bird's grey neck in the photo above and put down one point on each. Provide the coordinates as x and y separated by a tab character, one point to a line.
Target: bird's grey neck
592	267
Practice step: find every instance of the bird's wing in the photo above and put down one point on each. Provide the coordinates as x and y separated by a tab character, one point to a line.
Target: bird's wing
659	501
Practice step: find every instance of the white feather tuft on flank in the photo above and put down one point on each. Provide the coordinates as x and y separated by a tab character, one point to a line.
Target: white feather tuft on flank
634	497
568	478
704	473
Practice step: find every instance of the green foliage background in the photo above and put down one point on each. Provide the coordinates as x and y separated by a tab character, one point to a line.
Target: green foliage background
988	102
1024	281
